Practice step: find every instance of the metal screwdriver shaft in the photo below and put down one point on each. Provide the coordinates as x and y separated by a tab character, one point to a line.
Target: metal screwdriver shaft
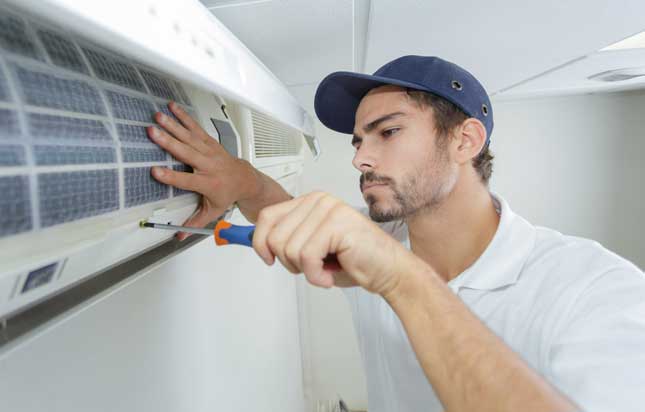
196	230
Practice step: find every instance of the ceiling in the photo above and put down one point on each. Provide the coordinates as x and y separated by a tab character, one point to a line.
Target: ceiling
502	42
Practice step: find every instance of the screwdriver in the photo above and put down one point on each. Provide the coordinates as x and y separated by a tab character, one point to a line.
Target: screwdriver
226	233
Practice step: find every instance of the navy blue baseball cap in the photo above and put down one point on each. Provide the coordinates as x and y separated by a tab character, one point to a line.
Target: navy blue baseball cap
340	93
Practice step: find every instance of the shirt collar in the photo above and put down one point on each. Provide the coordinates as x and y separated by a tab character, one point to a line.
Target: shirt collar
503	260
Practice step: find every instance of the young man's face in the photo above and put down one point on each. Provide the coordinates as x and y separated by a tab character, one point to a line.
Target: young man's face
403	171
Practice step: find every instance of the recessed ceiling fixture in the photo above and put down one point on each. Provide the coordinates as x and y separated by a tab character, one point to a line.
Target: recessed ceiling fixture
618	75
636	41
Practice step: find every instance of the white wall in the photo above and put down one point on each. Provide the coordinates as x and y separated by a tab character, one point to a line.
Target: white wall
210	330
576	164
571	163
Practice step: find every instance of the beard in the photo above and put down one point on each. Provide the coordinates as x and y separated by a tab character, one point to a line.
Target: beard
421	191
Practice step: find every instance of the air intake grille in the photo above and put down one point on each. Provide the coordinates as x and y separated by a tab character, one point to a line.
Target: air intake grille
73	118
272	139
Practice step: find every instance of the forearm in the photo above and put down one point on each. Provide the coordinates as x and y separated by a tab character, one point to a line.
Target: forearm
261	191
468	366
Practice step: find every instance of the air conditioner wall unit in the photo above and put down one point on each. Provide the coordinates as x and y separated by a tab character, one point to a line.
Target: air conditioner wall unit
79	82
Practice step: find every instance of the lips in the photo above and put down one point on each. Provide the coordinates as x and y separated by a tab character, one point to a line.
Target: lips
368	185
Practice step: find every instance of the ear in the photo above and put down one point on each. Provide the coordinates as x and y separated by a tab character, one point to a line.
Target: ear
470	138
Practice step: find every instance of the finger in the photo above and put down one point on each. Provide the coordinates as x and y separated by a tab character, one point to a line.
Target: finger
197	131
284	230
193	125
182	180
267	219
177	149
180	132
186	119
201	218
300	224
317	247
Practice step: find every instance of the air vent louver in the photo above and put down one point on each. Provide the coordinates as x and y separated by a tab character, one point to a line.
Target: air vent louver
273	139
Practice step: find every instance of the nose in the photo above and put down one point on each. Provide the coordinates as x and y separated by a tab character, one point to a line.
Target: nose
364	159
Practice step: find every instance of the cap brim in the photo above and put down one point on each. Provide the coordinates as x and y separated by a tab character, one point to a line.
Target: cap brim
340	93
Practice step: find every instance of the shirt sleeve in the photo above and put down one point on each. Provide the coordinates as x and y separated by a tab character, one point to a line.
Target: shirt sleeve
598	358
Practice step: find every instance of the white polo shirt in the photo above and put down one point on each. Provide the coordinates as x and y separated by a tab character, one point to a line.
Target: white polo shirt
574	311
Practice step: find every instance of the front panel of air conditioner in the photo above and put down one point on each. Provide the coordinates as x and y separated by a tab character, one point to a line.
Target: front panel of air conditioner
75	158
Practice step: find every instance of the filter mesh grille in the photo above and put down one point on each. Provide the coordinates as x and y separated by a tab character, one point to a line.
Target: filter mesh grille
14	37
62	51
74	195
15	212
73	136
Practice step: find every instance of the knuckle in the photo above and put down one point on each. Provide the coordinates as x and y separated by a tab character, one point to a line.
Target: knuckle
169	176
305	255
263	216
327	201
292	253
340	210
274	239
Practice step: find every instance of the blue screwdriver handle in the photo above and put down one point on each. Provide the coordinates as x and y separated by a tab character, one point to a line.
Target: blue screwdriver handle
227	233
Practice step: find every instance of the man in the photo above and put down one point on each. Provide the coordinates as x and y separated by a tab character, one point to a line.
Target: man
471	308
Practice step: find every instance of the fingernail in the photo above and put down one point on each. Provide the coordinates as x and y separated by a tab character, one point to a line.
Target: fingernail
154	132
158	171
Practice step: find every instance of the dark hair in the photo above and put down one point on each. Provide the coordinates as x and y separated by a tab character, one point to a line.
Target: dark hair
447	116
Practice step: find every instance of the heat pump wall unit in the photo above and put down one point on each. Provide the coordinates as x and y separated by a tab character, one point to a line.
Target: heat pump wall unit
79	83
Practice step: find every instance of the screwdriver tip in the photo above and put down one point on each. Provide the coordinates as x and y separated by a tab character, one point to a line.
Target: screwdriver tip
145	223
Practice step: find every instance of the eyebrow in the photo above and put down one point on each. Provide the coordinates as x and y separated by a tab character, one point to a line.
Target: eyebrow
374	124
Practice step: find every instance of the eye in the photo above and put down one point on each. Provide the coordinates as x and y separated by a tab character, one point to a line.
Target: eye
390	132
